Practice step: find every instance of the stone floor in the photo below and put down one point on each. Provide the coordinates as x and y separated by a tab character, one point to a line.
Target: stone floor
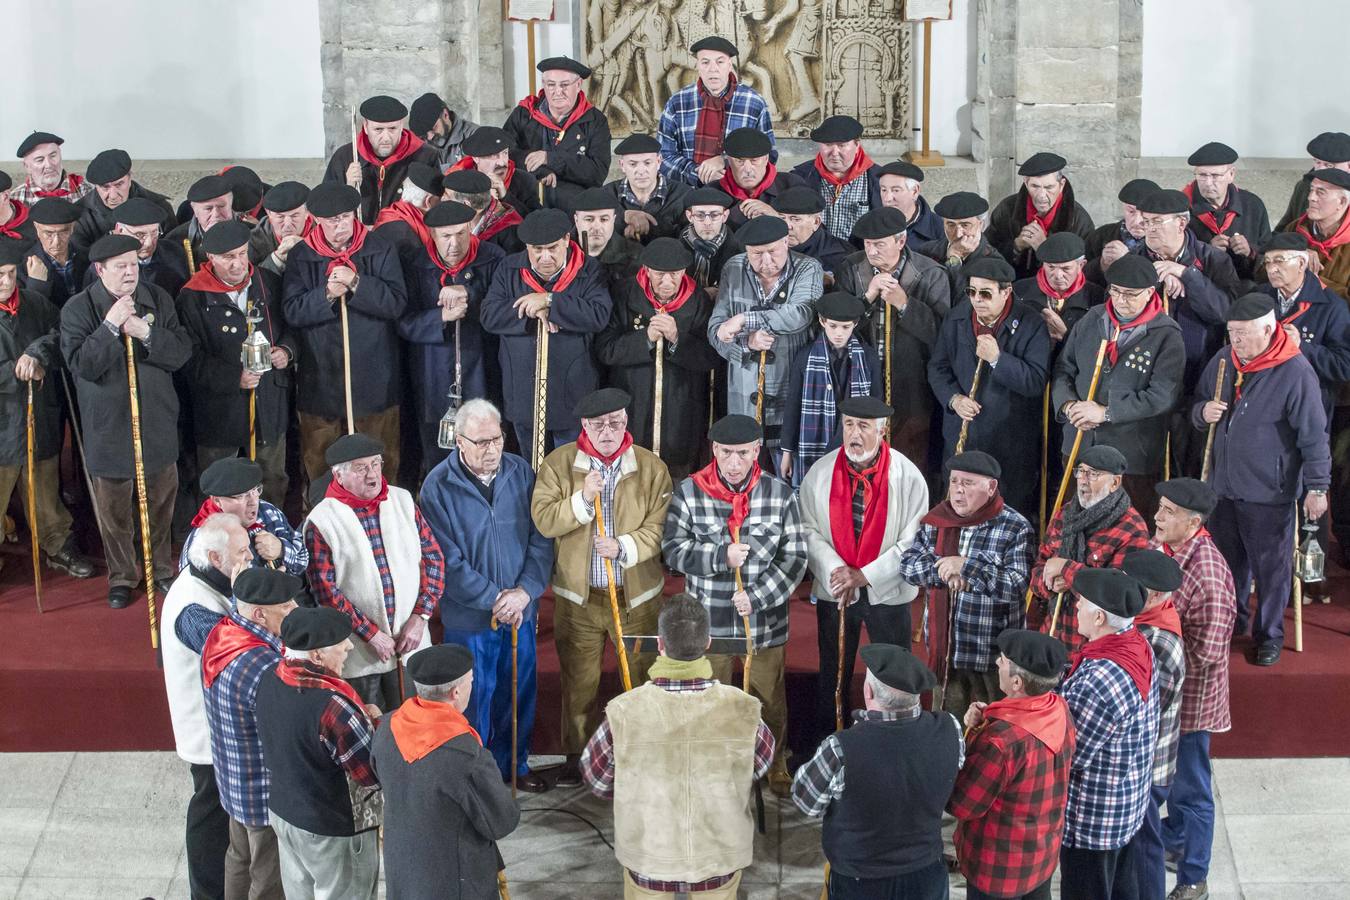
80	826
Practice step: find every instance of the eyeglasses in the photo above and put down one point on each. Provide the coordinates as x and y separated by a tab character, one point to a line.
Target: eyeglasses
980	293
1284	259
600	426
1149	222
484	442
367	468
1089	474
707	216
1127	296
561	85
248	495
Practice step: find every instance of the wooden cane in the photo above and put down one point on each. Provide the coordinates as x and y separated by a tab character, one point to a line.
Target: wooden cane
191	260
502	890
1054	617
1298	591
541	396
658	391
79	446
1057	306
613	602
839	679
347	365
974	387
32	499
1167	442
138	458
886	344
745	620
398	667
759	393
1214	426
515	706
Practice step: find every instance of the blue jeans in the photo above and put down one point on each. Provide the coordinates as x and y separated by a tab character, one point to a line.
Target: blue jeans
489	708
1189	826
1151	873
928	883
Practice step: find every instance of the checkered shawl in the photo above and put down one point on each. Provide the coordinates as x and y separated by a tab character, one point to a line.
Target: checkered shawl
845	205
1169	673
744	109
820	409
695	541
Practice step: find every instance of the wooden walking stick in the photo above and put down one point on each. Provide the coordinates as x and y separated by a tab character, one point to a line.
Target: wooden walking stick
658	391
79	446
1057	306
138	459
886	344
347	364
502	890
613	602
759	392
191	260
32	499
515	704
839	679
1298	591
541	397
745	620
1214	426
974	387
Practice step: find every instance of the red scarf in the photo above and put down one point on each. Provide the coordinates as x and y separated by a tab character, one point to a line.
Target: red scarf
1044	717
1044	284
1324	247
1280	351
319	244
210	507
408	144
448	272
861	163
980	328
1151	311
1172	551
420	726
1127	649
299	674
11	306
860	549
1208	217
534	104
709	482
1043	220
728	184
223	646
711	125
358	504
1164	616
73	180
206	280
585	446
681	296
948	543
19	215
497	221
575	260
403	211
467	162
1302	307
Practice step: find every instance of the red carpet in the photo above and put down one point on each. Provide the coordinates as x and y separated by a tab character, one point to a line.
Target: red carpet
83	676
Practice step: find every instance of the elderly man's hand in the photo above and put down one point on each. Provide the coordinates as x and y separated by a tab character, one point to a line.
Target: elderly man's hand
382	644
410	635
975	714
267	545
741	600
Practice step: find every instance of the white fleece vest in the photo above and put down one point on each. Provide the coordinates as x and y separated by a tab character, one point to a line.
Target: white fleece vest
183	668
358	578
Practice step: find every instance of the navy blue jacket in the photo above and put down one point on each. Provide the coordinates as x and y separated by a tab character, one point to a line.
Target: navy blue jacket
1211	285
1250	221
825	248
1324	327
926	225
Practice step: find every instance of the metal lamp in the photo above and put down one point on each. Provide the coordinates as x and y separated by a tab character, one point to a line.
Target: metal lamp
1310	562
256	351
445	434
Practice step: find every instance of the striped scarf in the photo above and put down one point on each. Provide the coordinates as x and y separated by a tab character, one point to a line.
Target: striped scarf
820	410
704	252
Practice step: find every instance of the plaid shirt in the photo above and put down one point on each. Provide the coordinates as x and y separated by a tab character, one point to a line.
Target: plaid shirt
346	733
998	558
323	574
744	109
1205	604
27	194
695	543
597	767
294	555
845	205
1009	801
611	473
1169	674
1112	763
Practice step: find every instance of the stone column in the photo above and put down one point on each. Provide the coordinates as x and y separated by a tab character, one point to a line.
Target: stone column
1063	76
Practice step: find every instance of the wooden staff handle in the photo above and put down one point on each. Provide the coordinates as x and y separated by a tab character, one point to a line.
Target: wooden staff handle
613	601
759	392
515	704
138	459
32	500
347	365
974	387
745	620
658	391
1214	426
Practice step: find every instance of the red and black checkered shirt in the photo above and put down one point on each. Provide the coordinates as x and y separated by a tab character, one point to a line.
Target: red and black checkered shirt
1009	803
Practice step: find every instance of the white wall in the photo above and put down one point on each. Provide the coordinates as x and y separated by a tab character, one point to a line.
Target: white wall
164	79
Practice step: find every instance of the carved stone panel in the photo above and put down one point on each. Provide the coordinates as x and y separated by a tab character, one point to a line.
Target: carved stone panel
809	58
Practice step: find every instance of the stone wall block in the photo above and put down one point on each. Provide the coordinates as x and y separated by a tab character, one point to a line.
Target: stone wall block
1067	23
1079	75
1075	132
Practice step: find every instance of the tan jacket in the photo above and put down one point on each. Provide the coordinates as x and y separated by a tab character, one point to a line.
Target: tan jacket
640	502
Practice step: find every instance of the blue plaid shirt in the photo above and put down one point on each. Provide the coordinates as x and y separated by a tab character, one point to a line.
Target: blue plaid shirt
294	555
745	109
1112	767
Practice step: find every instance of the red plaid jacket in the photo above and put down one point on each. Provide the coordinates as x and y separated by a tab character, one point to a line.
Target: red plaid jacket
1205	604
1009	803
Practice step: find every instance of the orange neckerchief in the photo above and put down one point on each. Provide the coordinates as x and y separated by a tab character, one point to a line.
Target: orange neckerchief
420	726
861	163
403	211
207	280
684	292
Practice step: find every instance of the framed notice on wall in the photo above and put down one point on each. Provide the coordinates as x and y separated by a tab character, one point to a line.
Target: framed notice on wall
529	10
918	10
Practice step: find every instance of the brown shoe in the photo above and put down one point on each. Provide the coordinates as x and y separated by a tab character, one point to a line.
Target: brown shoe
1190	892
780	780
529	783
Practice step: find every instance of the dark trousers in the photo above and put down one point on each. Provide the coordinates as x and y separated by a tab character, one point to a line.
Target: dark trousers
316	433
382	689
1150	874
928	883
555	438
1257	541
490	701
1189	826
885	625
271	458
1042	892
1097	874
208	836
119	524
1339	496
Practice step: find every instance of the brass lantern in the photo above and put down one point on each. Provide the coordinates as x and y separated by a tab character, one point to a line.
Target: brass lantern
1310	562
256	351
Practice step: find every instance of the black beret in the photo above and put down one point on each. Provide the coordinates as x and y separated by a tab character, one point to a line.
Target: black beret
223	237
12	251
111	245
35	140
961	205
382	108
1111	590
1132	271
1338	177
882	222
440	664
1213	154
708	196
601	402
1103	458
426	109
315	627
1061	247
246	186
799	201
639	143
1190	493
209	188
266	587
1154	569
350	447
666	254
1042	164
746	143
565	64
5	181
230	477
487	141
840	306
896	667
836	130
1164	203
286	196
544	226
428	178
995	268
1285	240
976	462
1330	146
865	407
108	166
1136	190
448	212
735	429
901	168
466	181
139	211
1040	654
761	230
332	199
593	199
1249	307
54	211
715	43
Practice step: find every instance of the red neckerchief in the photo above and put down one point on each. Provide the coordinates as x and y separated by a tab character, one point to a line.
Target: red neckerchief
861	163
709	482
467	162
300	674
319	244
73	180
447	271
1127	649
20	215
1172	551
1302	307
207	280
403	211
210	507
682	295
1044	717
358	504
223	645
728	184
948	543
585	446
1324	247
858	550
420	726
11	306
533	104
712	120
1164	616
1151	311
1044	284
1043	220
981	328
495	220
1208	217
575	260
408	144
1280	351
